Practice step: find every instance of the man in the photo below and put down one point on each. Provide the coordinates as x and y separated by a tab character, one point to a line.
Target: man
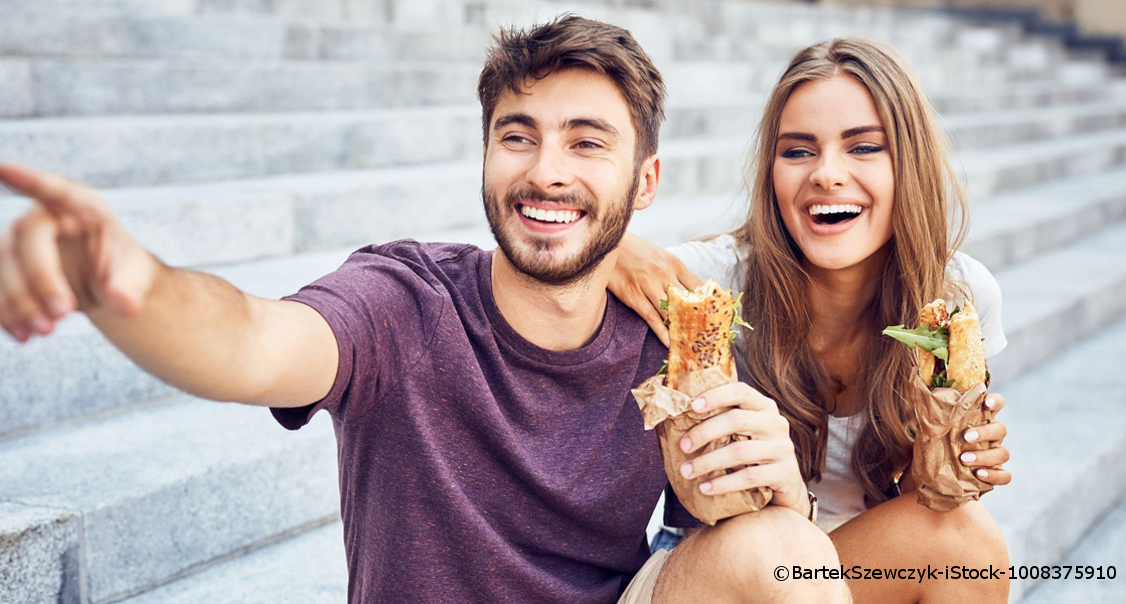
489	447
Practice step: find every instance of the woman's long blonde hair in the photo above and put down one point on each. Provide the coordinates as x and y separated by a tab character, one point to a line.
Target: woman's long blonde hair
928	222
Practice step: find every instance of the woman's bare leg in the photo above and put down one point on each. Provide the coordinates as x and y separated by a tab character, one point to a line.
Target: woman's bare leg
900	533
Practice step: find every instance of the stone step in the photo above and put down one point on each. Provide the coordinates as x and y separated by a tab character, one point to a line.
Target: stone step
313	564
1075	402
37	33
154	150
145	86
43	87
1059	298
1024	95
990	172
1103	546
107	35
201	148
139	498
315	569
372	11
1011	228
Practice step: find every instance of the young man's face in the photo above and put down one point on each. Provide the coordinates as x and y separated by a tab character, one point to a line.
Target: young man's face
560	180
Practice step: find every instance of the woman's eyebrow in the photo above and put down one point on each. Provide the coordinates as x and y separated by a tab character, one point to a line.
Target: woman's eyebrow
851	132
801	136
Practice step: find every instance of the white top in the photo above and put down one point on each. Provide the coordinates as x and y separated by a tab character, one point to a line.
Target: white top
839	494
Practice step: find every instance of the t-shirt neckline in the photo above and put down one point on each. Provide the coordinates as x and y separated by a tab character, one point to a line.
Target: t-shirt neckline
505	332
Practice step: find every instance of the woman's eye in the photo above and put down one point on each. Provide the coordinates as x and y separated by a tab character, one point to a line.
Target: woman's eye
796	153
867	149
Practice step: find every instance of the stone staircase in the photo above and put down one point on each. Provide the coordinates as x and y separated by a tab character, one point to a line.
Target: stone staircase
264	140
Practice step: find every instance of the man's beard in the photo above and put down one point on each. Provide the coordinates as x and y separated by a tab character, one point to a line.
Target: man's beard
538	263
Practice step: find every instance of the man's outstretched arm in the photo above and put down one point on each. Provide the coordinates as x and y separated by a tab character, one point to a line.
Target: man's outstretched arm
198	332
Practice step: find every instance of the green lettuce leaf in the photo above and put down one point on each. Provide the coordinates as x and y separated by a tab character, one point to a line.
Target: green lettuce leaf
935	342
738	318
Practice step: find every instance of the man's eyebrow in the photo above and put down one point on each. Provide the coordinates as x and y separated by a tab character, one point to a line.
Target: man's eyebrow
591	122
851	132
516	118
800	136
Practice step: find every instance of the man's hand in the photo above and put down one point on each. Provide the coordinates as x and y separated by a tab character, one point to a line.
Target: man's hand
67	253
767	460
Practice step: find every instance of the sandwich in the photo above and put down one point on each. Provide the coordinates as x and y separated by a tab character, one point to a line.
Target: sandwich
948	346
702	328
952	385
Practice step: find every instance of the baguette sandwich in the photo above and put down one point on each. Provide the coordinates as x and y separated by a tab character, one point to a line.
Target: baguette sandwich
701	330
701	324
948	346
951	386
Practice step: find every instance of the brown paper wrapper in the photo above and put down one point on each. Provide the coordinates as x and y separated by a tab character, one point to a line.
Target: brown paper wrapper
670	412
944	415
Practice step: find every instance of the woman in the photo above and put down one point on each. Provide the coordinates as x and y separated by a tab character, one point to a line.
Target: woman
855	215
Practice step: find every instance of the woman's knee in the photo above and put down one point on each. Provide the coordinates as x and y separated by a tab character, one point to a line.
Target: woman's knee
967	535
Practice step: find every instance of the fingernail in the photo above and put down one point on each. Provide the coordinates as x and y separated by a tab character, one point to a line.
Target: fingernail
982	474
968	457
57	307
706	487
39	324
990	402
698	404
971	436
686	470
20	333
686	444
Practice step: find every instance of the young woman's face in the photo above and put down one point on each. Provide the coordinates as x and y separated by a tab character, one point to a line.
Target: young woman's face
833	173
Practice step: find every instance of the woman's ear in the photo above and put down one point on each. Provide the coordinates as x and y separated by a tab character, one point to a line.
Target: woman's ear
649	177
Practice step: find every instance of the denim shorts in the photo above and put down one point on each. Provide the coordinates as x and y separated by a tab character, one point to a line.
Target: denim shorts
665	539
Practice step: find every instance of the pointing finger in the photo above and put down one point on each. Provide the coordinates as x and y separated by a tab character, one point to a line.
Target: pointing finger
38	254
59	195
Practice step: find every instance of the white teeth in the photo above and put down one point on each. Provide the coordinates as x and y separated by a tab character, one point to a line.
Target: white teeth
560	216
818	209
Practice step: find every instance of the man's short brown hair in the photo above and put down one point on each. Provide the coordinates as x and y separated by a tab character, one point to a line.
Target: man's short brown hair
574	42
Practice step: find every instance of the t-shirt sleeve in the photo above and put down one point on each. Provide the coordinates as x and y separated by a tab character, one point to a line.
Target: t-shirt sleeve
715	258
382	308
987	300
675	513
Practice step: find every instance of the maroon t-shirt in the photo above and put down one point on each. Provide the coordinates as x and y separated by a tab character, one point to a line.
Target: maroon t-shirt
476	466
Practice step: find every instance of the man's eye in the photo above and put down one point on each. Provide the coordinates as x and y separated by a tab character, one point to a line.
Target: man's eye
516	138
796	153
588	145
867	149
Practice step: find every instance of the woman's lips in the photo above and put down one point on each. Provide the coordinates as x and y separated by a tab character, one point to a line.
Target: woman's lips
830	229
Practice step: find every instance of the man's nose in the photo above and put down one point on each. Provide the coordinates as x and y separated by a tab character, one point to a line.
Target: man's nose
549	170
830	172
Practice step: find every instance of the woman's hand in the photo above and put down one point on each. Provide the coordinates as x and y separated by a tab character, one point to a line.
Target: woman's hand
987	463
767	460
643	273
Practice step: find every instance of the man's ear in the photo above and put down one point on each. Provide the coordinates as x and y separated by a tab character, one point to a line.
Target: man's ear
650	178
